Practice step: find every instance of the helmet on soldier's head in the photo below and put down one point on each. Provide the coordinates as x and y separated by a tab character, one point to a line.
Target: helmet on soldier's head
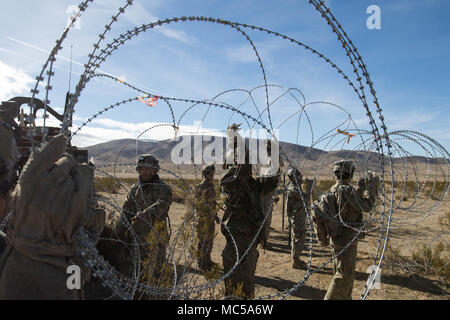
294	172
147	160
207	169
344	169
234	127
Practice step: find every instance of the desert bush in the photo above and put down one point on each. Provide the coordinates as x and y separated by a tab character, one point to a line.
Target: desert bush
433	260
445	220
107	184
426	260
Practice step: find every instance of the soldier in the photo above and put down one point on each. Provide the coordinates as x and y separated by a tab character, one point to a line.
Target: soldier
244	217
268	199
146	210
9	156
297	216
350	202
206	208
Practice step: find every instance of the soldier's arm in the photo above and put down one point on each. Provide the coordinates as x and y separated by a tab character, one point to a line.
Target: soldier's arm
268	184
295	202
211	197
161	206
355	197
230	182
289	204
128	208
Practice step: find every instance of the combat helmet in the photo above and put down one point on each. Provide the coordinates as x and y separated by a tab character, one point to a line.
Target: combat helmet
344	169
207	169
294	172
147	160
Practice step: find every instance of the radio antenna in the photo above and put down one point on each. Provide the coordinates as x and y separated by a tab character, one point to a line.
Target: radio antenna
70	73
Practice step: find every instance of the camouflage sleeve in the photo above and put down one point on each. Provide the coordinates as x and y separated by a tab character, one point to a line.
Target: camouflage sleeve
160	208
268	184
230	183
294	200
128	208
4	183
354	197
289	204
211	197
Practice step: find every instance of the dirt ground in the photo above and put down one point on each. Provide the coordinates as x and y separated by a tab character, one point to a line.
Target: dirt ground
274	274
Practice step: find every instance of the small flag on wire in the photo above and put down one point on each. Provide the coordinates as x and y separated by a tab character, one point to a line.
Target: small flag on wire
151	101
349	135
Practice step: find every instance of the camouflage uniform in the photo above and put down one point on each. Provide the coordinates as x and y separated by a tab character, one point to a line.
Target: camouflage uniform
53	190
297	216
350	203
244	218
206	208
9	155
267	207
268	199
146	208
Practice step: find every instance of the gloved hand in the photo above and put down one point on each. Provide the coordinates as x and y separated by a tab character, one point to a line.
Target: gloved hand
309	186
141	223
370	183
50	202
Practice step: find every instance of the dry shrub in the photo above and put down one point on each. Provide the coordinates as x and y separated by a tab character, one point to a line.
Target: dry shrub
445	220
427	260
433	260
155	271
107	184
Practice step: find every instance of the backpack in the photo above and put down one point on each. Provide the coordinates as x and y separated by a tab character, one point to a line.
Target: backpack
324	214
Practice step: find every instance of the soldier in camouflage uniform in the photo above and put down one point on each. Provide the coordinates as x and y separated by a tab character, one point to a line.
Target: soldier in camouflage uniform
146	211
350	204
207	211
244	217
297	216
267	202
268	199
9	156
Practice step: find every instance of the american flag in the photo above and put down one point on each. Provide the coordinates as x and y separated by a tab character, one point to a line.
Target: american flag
151	101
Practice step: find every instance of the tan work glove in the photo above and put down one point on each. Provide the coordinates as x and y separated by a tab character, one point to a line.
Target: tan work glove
50	203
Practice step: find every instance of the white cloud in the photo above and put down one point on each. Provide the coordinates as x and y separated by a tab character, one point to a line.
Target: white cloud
409	120
243	54
103	130
138	15
13	82
246	54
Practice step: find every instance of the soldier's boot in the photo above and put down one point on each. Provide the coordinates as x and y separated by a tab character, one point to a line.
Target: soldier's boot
297	263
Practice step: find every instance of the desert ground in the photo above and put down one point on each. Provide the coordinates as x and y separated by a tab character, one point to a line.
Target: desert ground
274	274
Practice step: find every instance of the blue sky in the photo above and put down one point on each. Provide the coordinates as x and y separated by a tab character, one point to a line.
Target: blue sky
407	59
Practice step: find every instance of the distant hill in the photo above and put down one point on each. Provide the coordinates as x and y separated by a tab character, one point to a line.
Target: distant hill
125	151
